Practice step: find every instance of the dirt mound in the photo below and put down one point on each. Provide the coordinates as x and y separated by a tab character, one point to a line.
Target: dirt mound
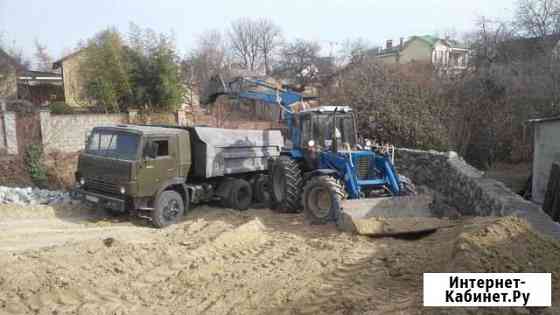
505	245
223	262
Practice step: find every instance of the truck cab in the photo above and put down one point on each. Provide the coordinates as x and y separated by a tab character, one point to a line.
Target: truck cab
125	167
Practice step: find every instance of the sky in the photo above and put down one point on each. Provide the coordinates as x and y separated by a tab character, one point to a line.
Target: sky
61	24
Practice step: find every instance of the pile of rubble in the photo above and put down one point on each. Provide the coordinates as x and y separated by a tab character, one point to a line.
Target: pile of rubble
32	196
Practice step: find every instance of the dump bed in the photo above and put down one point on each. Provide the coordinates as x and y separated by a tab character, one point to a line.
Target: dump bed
218	152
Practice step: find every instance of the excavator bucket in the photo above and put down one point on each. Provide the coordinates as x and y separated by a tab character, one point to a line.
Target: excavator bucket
212	89
392	216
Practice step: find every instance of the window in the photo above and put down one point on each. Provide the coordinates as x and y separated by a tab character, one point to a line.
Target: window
306	130
112	144
323	129
162	148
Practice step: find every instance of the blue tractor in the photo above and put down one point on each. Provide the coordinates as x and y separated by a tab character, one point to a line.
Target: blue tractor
324	167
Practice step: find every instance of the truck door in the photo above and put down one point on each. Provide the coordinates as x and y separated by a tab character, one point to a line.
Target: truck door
159	167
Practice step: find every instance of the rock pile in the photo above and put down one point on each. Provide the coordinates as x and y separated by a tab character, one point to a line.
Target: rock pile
462	187
32	196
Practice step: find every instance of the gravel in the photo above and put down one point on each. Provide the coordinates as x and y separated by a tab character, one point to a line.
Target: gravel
32	196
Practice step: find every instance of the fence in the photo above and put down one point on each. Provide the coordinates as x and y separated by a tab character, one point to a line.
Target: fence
67	133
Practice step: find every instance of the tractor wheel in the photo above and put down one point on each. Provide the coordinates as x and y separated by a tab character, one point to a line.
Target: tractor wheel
240	195
322	197
168	210
286	184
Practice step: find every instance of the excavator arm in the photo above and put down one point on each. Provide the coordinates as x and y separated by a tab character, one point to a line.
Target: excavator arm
252	89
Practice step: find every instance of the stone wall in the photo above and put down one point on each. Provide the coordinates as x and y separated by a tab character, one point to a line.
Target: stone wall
465	188
155	119
67	133
13	171
28	131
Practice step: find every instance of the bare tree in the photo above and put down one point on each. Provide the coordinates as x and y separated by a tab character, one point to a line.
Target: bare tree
299	59
354	52
538	18
43	59
269	40
245	43
15	52
207	58
488	41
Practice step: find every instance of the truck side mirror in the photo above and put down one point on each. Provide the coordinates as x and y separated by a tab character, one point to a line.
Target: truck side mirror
87	138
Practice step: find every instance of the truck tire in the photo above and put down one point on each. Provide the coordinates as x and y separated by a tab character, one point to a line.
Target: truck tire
240	195
286	184
261	189
322	197
169	209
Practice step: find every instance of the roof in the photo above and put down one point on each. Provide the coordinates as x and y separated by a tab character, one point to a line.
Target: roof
431	40
57	64
341	109
144	129
544	119
40	75
428	39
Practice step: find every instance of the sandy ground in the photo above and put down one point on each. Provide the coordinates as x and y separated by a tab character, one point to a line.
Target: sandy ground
217	261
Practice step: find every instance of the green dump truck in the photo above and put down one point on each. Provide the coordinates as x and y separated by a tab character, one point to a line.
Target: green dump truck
158	172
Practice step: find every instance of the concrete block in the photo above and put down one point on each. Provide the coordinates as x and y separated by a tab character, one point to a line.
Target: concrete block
11	132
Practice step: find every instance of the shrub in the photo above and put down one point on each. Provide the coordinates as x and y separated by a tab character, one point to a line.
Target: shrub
61	108
34	165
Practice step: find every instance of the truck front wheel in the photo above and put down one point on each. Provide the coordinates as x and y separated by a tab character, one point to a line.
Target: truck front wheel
322	197
169	209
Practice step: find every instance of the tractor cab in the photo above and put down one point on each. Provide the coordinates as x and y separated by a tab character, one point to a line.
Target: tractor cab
327	138
323	127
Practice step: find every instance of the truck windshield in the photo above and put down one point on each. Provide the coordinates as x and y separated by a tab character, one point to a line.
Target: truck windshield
323	130
118	145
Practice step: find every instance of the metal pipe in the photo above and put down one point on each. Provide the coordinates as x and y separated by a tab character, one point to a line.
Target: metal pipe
335	140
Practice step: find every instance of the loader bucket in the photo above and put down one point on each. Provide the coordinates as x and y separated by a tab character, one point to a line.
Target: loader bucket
391	216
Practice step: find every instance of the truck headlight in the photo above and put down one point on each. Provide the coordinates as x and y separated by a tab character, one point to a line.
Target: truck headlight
123	190
82	181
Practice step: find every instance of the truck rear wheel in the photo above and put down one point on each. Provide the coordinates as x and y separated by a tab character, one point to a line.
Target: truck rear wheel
286	184
240	195
261	189
169	209
322	197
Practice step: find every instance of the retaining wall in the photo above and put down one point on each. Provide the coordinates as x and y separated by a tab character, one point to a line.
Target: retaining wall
67	133
466	189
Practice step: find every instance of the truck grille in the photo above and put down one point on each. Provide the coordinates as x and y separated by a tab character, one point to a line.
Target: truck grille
363	167
101	186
